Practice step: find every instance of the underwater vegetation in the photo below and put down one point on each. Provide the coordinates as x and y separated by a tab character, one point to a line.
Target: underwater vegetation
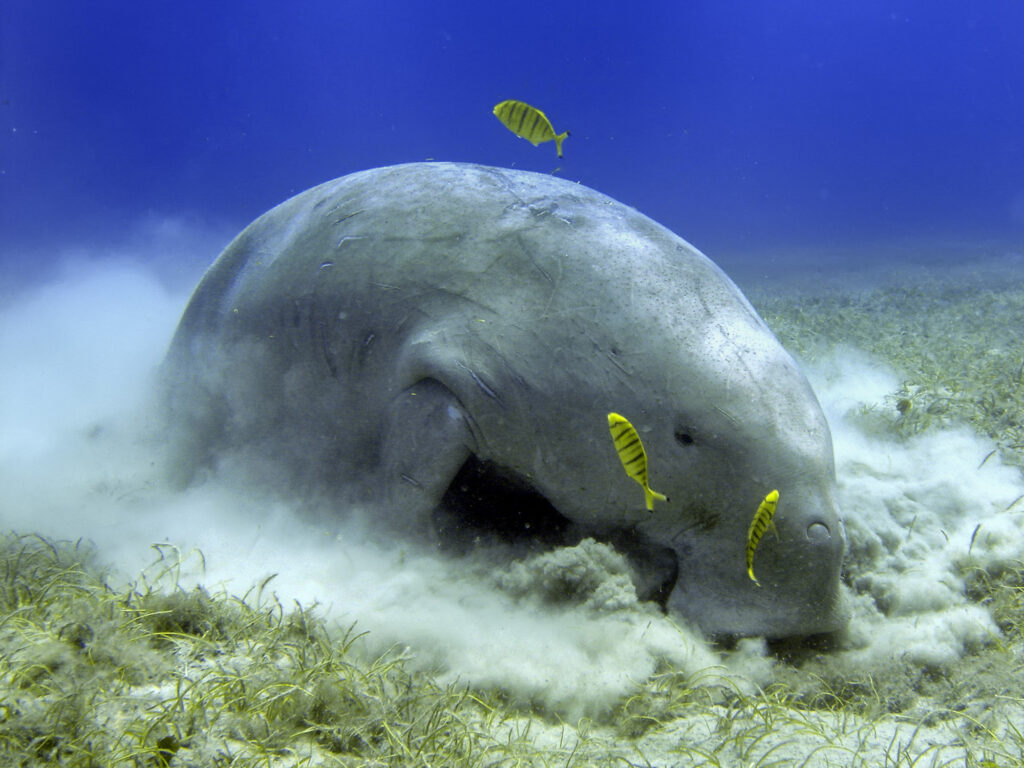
957	345
155	675
152	674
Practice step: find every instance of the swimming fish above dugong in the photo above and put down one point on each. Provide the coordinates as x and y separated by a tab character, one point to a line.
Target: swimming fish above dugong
528	123
440	339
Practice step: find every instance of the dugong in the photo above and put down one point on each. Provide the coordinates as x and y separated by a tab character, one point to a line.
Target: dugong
440	340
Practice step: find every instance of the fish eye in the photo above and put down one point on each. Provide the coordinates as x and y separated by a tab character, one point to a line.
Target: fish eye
683	437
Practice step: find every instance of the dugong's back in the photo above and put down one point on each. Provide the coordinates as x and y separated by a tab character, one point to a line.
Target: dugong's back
313	316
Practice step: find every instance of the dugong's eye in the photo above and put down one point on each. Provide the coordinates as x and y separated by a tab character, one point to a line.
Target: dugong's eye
683	437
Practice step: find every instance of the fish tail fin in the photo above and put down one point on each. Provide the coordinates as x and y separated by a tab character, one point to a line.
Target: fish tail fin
650	496
753	578
558	141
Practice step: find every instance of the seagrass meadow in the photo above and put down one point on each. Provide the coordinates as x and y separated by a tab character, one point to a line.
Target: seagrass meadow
923	381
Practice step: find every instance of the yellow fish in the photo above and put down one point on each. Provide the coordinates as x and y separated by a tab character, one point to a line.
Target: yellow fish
762	522
528	123
632	455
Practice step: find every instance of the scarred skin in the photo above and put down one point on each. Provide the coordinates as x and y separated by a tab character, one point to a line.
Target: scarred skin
367	337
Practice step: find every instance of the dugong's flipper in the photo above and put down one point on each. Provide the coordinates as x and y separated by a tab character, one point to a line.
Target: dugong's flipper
427	440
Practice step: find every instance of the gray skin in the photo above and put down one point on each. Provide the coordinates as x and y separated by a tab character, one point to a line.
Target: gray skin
369	337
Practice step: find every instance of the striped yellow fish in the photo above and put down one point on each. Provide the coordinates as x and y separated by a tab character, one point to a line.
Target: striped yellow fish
763	520
632	455
528	123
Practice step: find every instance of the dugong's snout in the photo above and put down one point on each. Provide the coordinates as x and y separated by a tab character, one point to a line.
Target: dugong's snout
797	567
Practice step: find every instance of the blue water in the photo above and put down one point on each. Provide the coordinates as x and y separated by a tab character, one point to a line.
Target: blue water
740	124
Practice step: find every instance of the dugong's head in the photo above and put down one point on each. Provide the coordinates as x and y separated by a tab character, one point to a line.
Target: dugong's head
725	416
740	421
642	324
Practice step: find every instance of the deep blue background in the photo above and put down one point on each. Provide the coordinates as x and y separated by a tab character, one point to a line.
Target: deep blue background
741	124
